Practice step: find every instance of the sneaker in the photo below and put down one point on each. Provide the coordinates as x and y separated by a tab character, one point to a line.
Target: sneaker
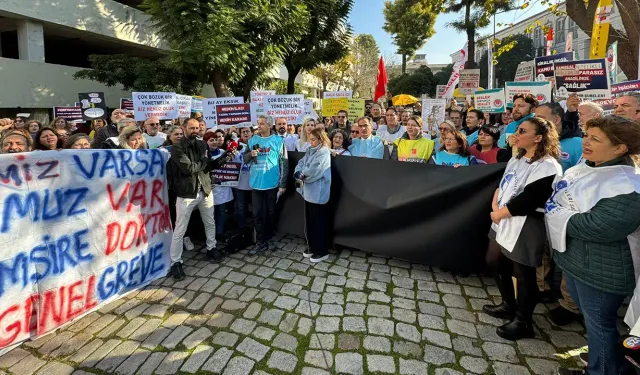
307	253
584	358
566	371
561	316
177	272
214	255
188	245
318	258
259	248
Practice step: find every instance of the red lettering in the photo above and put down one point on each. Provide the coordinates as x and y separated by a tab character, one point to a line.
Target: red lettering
90	301
135	231
138	195
73	297
142	233
156	192
112	237
13	328
123	196
30	322
131	228
48	309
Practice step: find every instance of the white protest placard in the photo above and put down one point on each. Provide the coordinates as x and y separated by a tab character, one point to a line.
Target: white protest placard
184	105
469	81
589	79
491	101
88	227
209	108
524	71
433	113
196	104
337	94
290	107
540	89
257	97
162	105
308	109
440	90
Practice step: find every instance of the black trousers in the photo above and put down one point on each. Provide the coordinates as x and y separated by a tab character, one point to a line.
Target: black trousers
264	213
505	269
317	228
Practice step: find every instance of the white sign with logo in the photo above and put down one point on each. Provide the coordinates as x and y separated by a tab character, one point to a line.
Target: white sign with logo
540	89
491	101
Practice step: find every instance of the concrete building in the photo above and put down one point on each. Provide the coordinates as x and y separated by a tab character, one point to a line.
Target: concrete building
562	25
43	43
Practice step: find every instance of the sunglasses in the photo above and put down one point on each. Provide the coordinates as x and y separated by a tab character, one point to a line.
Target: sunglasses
342	116
355	132
521	131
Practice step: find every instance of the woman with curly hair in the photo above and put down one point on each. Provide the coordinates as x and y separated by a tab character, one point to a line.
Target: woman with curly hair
518	236
339	143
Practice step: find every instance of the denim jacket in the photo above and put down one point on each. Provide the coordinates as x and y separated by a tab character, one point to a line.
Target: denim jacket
315	166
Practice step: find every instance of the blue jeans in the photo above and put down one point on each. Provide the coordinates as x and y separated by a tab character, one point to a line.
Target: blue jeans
242	197
220	211
600	310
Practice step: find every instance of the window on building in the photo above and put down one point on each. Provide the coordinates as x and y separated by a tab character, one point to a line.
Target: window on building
538	38
560	30
572	28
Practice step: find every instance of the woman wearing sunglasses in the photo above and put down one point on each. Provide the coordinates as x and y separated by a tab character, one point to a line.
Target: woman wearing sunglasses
518	236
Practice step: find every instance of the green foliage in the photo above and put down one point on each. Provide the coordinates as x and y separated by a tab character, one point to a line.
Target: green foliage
280	87
421	81
325	38
138	74
364	55
442	77
520	48
411	24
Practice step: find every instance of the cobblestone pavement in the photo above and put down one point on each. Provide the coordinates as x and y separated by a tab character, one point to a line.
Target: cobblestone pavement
252	315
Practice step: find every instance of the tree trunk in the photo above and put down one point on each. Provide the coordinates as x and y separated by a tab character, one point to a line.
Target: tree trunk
217	81
404	63
583	15
292	73
471	37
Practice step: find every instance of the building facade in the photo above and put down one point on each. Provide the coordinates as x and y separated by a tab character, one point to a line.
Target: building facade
43	43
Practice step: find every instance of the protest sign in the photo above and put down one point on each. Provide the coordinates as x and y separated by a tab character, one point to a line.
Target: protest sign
433	113
232	114
589	79
337	94
86	227
621	88
469	81
161	105
544	64
227	175
290	107
184	105
72	114
440	90
541	90
209	113
126	104
196	104
356	109
93	105
308	109
607	106
524	72
330	107
491	101
257	97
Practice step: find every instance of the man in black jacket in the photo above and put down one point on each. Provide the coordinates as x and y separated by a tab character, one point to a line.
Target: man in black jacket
188	175
109	130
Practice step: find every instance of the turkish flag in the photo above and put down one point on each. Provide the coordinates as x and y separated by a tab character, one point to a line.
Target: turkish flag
549	40
381	85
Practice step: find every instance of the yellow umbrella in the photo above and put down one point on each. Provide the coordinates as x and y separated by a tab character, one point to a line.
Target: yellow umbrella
404	99
456	93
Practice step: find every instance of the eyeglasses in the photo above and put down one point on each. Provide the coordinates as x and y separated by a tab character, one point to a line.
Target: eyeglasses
154	124
355	132
521	131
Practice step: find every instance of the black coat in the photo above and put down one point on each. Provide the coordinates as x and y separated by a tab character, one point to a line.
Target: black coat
188	168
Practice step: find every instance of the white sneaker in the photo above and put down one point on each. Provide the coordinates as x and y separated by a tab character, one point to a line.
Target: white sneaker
188	245
318	259
307	253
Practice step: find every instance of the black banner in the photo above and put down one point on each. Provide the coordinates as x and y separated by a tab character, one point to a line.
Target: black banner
429	214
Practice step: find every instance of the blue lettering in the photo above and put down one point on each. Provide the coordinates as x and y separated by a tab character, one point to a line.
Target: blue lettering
82	245
11	173
157	265
50	165
38	262
156	160
109	163
121	275
21	207
16	273
80	194
134	267
125	158
46	215
143	164
103	293
88	174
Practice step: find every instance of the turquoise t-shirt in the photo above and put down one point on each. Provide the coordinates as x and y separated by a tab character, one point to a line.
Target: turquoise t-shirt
265	171
570	152
445	158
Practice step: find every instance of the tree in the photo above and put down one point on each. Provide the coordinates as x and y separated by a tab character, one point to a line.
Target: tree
411	24
512	50
477	14
442	77
364	71
335	73
223	41
421	81
280	87
325	38
582	12
138	74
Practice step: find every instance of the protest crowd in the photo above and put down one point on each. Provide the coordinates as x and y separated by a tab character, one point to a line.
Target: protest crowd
571	181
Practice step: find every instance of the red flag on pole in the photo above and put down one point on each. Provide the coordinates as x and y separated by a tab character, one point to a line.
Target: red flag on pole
381	85
549	41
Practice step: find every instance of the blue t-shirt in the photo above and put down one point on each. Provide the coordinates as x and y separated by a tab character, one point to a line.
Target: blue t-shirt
445	158
265	171
570	152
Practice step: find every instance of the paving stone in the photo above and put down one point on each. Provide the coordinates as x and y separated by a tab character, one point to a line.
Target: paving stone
291	289
286	342
413	367
271	317
355	309
349	363
488	333
263	333
474	364
95	357
308	308
304	326
462	314
220	320
286	302
198	357
85	351
462	328
356	284
55	342
432	309
233	305
322	341
145	330
354	324
407	349
500	352
438	356
151	363
327	324
319	358
199	301
381	311
252	311
381	363
563	339
543	366
406	316
196	338
176	337
56	368
358	297
218	361
377	344
379	326
27	365
156	338
437	337
429	296
12	357
348	342
333	298
225	339
253	280
118	355
449	288
475	292
71	346
501	368
282	361
454	300
408	332
130	365
431	321
175	320
331	310
536	348
466	345
447	371
252	349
